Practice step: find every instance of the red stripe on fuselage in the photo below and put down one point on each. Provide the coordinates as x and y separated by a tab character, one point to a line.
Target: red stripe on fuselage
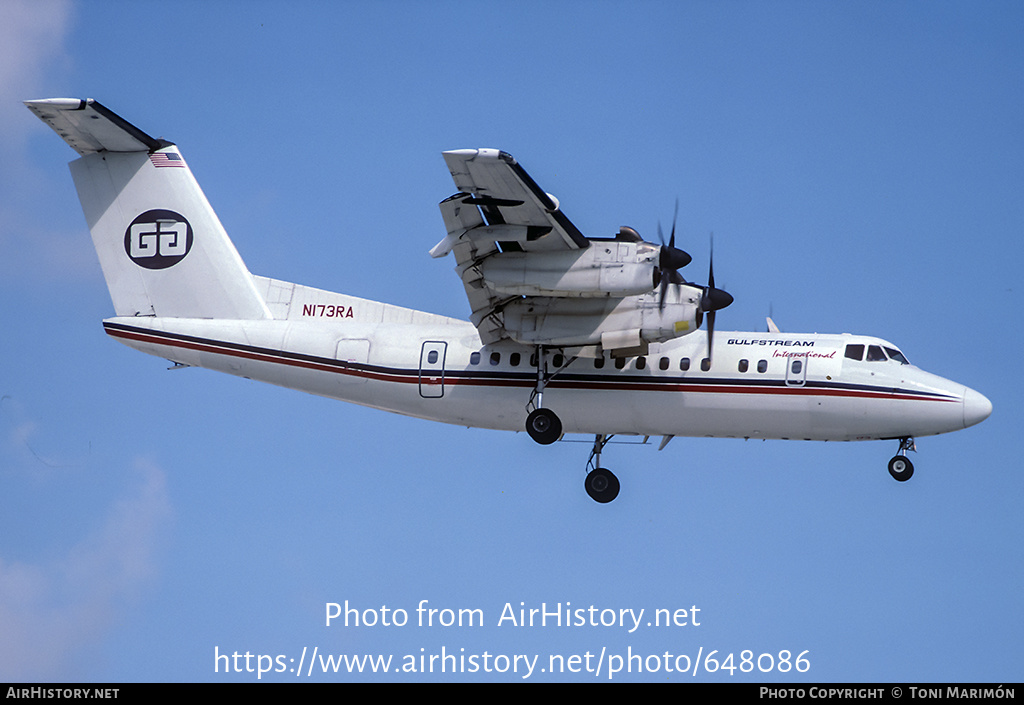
460	377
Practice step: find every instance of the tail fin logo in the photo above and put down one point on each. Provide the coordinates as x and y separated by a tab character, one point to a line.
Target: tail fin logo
158	239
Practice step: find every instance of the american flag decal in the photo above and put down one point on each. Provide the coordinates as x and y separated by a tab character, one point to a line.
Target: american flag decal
161	159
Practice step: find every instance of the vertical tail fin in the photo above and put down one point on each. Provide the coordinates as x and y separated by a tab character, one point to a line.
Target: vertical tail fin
163	250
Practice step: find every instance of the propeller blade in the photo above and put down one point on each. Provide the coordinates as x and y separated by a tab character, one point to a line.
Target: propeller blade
670	259
662	292
707	301
712	299
711	332
711	264
675	215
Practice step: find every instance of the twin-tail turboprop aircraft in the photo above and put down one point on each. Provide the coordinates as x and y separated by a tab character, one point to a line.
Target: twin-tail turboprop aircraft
568	333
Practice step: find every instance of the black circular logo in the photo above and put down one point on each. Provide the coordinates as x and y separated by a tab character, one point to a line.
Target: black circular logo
158	239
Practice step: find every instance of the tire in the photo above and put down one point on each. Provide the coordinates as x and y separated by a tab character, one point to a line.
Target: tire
901	468
544	426
602	485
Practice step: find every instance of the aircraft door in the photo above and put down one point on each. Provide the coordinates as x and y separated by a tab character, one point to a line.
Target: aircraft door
355	352
796	371
432	369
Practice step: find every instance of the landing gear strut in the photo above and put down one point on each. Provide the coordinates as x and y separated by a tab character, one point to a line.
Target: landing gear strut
900	466
545	428
542	424
601	483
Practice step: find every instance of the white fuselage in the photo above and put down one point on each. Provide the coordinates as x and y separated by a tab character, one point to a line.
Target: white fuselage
434	367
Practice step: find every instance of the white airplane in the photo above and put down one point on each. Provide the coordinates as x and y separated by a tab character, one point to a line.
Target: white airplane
568	334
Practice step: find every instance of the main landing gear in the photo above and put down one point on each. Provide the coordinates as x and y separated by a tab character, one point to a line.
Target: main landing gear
601	483
542	424
900	466
545	428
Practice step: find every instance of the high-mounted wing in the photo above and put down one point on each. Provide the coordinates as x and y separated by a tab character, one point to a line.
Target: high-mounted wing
507	196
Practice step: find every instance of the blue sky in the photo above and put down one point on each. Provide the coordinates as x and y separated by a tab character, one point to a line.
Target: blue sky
860	166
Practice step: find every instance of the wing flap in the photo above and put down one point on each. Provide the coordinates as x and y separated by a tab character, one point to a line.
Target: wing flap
507	195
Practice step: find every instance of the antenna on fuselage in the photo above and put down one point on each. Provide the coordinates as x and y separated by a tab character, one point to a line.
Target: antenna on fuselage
772	328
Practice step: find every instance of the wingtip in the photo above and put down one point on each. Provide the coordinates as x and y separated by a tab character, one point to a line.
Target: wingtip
470	154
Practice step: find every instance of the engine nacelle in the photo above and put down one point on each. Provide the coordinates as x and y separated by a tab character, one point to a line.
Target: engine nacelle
627	323
608	268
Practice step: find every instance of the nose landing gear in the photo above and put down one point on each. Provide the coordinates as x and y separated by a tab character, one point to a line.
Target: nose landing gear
900	466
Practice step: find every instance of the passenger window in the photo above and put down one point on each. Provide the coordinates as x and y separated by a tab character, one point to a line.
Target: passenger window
495	358
875	353
705	364
432	357
474	358
514	359
663	363
855	352
558	360
620	362
684	364
797	366
598	363
641	363
762	365
744	365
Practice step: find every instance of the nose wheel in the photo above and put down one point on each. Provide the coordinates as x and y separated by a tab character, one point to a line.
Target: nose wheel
900	466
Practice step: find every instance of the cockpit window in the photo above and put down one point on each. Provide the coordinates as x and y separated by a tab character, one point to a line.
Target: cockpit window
875	353
897	356
855	352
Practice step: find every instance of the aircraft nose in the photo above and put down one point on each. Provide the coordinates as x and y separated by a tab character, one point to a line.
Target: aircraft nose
976	407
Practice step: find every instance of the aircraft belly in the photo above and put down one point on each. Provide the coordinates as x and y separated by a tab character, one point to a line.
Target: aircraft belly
807	416
695	414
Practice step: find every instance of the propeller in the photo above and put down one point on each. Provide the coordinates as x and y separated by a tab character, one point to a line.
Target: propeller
712	299
670	260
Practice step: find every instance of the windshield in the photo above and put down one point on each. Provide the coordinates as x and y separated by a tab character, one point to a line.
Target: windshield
876	353
896	355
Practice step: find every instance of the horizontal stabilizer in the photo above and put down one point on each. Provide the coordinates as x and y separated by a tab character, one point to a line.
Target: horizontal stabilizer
88	127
